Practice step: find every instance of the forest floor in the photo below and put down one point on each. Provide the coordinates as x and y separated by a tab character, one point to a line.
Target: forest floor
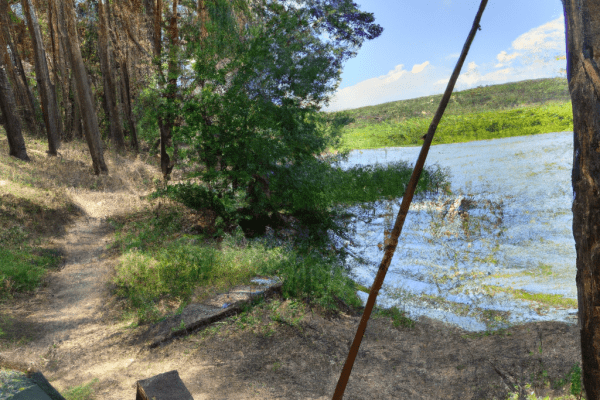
72	330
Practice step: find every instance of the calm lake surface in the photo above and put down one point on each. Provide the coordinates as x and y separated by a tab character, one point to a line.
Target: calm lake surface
475	257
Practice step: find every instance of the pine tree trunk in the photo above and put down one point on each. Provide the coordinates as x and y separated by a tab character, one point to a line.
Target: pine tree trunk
77	128
48	96
61	62
55	66
127	103
66	17
30	111
16	143
18	90
104	51
582	23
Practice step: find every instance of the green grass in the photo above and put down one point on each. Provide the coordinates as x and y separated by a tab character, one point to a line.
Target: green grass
491	112
82	392
398	317
23	262
463	128
160	264
553	300
573	380
363	184
156	264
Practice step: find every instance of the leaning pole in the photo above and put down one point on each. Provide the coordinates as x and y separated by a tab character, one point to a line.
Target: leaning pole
391	244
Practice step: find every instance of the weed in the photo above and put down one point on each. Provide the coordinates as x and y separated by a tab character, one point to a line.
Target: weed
575	379
83	392
398	317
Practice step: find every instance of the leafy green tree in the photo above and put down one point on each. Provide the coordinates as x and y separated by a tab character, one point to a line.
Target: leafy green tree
249	121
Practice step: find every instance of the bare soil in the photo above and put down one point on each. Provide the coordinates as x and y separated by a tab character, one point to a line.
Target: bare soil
72	331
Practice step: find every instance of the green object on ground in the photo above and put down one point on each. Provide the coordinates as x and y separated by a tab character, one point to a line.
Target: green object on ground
20	387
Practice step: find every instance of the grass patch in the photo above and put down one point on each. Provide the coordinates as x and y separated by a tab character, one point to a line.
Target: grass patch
82	392
159	263
27	222
463	128
363	184
162	264
490	112
553	300
398	317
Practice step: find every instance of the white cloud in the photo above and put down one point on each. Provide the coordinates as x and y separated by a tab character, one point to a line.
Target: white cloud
505	59
397	82
393	75
550	36
532	55
419	67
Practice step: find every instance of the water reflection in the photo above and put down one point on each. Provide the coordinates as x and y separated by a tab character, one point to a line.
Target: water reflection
499	250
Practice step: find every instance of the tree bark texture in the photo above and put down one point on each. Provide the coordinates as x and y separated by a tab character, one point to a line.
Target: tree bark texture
104	51
127	103
77	128
16	143
582	23
66	15
56	60
10	71
29	101
61	64
164	124
48	96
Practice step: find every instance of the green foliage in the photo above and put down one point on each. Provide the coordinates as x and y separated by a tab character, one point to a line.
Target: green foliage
22	266
251	117
310	275
199	197
462	128
82	392
398	317
575	379
145	109
148	233
156	266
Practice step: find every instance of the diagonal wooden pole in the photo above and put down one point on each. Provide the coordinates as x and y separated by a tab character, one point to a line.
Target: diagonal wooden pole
390	247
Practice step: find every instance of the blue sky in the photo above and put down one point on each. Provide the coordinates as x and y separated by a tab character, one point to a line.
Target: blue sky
422	40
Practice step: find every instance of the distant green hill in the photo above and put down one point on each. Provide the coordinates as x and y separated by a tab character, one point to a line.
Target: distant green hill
511	109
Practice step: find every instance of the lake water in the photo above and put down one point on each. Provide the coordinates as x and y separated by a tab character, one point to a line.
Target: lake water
474	258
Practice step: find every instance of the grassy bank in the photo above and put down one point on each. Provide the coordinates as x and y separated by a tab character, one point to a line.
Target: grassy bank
173	256
491	112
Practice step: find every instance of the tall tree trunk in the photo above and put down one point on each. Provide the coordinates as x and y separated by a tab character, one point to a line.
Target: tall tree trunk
60	64
66	17
18	90
582	24
164	123
16	144
127	103
43	78
56	60
77	129
104	50
30	103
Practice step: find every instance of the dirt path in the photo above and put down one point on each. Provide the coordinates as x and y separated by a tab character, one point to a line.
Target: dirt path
75	339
